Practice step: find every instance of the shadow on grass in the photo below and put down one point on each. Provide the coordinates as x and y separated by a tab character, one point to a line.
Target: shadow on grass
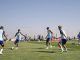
37	48
40	48
46	51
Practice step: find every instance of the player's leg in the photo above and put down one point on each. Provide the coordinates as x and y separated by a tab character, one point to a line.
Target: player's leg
47	43
65	47
59	41
61	45
16	43
62	49
50	43
2	45
64	44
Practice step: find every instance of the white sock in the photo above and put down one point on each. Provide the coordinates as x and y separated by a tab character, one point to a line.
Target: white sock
62	49
1	50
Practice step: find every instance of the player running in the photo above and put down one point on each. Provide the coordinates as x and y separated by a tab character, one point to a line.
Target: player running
63	39
18	38
49	38
2	34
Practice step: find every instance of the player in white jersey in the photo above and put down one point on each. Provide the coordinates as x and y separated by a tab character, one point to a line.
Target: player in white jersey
63	39
49	38
18	38
2	34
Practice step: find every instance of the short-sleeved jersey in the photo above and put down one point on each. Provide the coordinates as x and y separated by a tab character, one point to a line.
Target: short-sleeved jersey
1	35
49	34
18	36
63	34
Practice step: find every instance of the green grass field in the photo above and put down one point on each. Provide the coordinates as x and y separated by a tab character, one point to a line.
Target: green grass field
36	51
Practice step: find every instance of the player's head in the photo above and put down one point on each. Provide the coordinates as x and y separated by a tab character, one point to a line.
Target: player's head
1	27
59	27
18	30
47	28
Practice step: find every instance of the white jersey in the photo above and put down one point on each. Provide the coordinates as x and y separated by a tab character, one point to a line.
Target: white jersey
1	35
63	34
18	36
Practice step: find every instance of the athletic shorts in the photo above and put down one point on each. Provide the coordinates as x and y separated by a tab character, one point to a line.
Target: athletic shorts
64	41
16	41
1	43
48	39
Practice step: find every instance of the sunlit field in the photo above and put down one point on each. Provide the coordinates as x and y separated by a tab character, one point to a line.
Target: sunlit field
34	50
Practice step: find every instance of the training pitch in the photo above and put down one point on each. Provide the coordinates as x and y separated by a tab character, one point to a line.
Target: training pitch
34	50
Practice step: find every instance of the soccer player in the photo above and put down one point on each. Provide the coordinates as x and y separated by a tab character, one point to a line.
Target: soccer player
63	39
18	38
49	38
78	38
2	34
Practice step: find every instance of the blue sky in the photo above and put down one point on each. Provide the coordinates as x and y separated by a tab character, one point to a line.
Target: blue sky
33	16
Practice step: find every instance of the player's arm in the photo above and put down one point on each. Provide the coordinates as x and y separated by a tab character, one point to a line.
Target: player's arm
4	35
51	32
46	37
16	34
22	34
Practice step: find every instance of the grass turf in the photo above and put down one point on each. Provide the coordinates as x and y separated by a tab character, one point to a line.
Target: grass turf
34	50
